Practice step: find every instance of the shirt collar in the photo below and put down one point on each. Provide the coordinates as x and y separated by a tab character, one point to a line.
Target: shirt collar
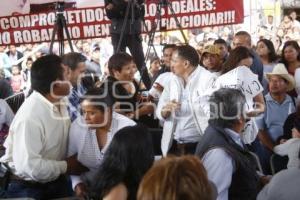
192	75
287	99
43	99
52	106
235	136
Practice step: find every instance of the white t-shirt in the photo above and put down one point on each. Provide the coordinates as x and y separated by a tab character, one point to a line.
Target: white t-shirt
83	142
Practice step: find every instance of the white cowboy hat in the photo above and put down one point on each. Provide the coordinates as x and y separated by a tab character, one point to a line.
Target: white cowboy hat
280	70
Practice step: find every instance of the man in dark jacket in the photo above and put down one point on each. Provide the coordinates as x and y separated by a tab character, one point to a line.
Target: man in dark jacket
228	162
126	25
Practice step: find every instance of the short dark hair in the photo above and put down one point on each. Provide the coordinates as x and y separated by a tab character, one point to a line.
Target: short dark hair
221	41
243	33
169	46
125	162
45	70
97	96
90	79
118	61
189	53
226	107
72	59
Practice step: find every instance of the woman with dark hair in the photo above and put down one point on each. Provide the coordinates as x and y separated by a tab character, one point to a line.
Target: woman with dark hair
126	161
290	57
125	89
240	56
236	73
91	133
265	50
177	178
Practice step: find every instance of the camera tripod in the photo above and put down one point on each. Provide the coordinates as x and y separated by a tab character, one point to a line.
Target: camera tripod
129	36
59	27
158	24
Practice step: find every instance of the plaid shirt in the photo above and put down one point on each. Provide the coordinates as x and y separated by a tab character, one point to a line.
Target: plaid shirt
74	101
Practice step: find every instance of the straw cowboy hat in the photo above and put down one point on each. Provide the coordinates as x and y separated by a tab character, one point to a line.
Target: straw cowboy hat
280	70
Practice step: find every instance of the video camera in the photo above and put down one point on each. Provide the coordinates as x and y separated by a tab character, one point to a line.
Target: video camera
46	7
120	6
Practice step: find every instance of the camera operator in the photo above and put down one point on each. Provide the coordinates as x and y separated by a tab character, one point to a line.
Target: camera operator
126	25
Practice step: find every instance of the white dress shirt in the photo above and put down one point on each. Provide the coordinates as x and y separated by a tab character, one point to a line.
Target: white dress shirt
186	130
83	142
197	83
220	166
6	114
37	141
163	79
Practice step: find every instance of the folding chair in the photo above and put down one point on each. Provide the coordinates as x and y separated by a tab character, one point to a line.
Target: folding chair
278	163
15	101
258	164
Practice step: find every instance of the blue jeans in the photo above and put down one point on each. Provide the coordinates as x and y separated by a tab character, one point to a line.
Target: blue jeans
55	189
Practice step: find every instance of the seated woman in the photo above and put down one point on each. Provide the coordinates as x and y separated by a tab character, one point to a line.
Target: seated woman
92	133
177	178
125	89
125	163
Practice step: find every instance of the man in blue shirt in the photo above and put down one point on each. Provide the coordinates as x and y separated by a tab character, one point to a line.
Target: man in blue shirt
278	106
75	62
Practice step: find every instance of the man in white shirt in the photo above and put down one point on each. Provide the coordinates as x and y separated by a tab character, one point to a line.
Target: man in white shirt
37	142
179	107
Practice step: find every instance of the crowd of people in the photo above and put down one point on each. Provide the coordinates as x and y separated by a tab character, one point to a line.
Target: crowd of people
223	113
